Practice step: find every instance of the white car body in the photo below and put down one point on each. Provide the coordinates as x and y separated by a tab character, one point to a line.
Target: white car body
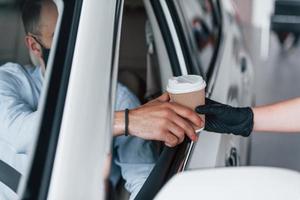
233	184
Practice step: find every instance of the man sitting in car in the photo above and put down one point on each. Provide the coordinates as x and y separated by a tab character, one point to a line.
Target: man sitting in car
20	89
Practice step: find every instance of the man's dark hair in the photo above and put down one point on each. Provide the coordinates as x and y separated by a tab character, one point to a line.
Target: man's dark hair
31	12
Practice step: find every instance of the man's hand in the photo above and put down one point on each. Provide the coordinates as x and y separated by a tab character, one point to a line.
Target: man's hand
226	119
164	121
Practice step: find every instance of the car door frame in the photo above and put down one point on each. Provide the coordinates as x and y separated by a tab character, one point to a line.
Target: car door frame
49	176
38	178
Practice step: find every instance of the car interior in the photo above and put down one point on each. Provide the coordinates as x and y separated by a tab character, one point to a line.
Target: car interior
138	63
143	66
12	39
138	68
12	49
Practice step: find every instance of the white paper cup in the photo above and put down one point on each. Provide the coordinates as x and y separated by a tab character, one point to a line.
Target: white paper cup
189	91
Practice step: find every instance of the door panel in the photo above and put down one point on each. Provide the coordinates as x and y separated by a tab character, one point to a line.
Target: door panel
233	82
85	134
212	149
230	84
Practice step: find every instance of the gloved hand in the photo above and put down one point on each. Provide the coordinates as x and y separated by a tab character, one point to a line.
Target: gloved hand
226	119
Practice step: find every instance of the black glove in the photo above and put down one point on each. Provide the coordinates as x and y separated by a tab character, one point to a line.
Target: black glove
226	119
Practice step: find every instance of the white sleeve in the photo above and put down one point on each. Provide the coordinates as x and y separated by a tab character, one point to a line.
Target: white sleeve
18	120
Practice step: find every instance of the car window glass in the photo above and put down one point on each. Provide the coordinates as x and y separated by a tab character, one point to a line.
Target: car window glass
200	19
26	34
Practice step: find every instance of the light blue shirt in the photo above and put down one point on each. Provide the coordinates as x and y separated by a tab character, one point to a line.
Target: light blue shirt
133	157
20	89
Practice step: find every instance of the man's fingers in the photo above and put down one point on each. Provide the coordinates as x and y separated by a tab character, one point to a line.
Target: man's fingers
170	140
163	133
172	127
159	100
186	113
177	131
164	97
186	126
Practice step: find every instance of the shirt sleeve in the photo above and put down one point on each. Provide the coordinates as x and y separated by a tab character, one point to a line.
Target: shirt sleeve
18	119
125	98
135	157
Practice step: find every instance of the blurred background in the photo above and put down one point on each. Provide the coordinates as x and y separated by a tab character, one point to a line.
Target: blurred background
271	30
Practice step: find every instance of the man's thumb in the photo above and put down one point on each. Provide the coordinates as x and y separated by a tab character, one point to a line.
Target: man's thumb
164	97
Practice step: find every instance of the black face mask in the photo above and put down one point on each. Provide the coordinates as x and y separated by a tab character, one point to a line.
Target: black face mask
45	51
45	55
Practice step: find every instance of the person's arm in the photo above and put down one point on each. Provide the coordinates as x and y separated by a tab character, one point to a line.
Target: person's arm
159	120
279	117
18	119
119	123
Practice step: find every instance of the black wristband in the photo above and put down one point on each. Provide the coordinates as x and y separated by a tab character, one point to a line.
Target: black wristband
126	121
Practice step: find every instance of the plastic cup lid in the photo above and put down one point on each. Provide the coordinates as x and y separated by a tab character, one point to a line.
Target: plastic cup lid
185	84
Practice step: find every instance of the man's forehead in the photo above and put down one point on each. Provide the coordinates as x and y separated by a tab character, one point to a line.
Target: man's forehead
48	17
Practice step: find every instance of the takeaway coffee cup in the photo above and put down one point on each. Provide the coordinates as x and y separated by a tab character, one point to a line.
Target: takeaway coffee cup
189	91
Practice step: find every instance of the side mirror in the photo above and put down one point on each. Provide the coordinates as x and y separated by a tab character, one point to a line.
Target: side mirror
247	183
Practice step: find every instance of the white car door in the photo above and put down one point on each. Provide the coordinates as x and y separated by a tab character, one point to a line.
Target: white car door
175	47
75	135
175	25
233	184
233	84
220	62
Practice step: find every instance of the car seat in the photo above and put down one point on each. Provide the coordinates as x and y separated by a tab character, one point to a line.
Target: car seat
12	48
138	68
